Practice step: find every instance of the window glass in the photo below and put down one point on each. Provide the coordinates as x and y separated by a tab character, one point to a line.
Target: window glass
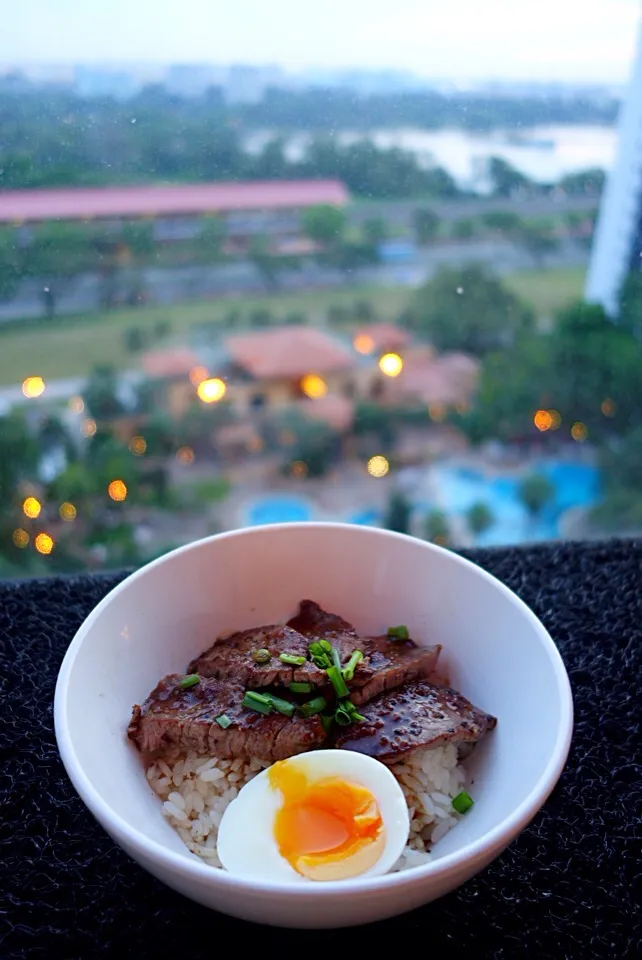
272	262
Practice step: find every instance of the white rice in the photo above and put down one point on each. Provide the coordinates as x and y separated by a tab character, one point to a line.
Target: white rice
195	791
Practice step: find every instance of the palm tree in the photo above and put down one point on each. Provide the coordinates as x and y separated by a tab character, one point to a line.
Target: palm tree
479	518
436	527
535	492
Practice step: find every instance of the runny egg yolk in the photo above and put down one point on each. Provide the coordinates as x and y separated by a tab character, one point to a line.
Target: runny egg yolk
327	829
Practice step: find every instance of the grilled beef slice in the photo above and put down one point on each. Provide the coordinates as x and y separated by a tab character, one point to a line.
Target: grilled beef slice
415	715
386	663
172	716
230	658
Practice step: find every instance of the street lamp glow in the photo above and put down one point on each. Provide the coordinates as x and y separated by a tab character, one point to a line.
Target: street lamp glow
212	390
391	364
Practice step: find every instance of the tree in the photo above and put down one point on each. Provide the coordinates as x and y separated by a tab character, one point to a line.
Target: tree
436	527
134	339
502	221
266	263
506	180
212	238
398	513
535	491
468	309
630	307
324	224
425	224
537	239
479	518
375	231
19	456
364	311
465	228
101	394
584	183
372	418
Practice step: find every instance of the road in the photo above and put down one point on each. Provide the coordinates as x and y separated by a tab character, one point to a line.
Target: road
166	286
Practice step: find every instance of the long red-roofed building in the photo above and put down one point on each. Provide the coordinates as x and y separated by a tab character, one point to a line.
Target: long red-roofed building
176	200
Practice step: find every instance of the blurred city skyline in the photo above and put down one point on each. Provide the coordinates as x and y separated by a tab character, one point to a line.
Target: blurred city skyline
509	40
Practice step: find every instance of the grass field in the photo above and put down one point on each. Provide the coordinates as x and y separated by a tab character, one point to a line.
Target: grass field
68	347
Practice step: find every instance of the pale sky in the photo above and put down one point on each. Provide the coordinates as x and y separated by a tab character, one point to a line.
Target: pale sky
459	39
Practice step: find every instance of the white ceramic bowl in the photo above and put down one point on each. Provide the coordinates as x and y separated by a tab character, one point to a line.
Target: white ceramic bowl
498	654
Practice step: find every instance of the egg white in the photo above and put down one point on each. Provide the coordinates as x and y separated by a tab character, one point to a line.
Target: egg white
246	844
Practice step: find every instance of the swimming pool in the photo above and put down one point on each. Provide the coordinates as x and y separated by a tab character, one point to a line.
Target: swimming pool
458	488
278	508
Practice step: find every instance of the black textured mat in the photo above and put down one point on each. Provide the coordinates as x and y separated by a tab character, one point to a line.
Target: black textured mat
568	887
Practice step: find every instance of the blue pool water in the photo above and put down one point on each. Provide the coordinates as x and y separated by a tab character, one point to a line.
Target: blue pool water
576	485
278	509
366	518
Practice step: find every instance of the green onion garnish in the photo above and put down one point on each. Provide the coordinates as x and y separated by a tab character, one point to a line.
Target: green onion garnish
325	645
223	721
297	687
336	659
326	723
261	656
257	701
283	706
398	633
336	679
342	716
291	658
319	654
189	681
314	706
348	670
462	802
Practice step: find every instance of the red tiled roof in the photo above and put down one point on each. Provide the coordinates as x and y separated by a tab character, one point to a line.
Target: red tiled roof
384	336
335	410
447	380
288	352
162	364
17	206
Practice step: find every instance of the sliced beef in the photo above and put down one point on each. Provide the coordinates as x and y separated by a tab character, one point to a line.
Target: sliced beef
172	716
415	715
386	663
231	658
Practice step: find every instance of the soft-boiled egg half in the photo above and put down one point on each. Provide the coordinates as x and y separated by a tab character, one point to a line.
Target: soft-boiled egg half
326	815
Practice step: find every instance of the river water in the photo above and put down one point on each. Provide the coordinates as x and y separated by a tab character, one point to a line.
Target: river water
544	154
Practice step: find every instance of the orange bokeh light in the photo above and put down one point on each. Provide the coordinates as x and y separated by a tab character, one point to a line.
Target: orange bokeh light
543	420
197	375
67	511
44	543
313	386
363	343
579	431
185	455
210	391
117	490
33	386
138	446
31	508
378	466
391	364
20	538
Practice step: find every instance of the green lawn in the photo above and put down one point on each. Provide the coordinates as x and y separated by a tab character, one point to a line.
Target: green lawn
548	290
68	347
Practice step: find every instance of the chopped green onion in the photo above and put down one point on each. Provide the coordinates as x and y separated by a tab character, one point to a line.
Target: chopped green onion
261	656
336	659
326	723
297	687
291	658
325	645
314	706
342	716
462	802
348	670
257	701
398	633
283	706
189	681
319	654
223	721
336	679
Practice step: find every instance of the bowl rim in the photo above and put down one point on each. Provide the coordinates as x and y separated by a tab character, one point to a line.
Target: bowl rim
192	867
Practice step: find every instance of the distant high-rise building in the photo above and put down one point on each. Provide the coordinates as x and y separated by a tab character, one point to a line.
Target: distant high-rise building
193	79
617	247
